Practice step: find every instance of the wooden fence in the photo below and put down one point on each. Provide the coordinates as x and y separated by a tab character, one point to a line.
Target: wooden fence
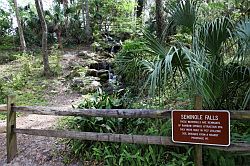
12	130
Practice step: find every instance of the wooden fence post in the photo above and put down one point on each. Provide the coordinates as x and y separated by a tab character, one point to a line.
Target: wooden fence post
198	148
11	125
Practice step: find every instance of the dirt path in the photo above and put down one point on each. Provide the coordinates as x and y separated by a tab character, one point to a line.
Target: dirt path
36	150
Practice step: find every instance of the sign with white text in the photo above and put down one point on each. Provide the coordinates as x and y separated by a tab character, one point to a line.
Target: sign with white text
201	127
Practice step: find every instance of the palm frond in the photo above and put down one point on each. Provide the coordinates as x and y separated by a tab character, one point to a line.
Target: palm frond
156	48
243	34
213	34
246	101
184	13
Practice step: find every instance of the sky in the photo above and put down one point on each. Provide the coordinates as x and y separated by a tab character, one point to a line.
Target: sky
46	3
4	5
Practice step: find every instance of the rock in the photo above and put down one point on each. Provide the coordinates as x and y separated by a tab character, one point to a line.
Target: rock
96	84
106	54
96	47
100	65
90	88
92	72
94	65
102	72
116	47
72	74
85	55
77	82
82	54
73	64
104	77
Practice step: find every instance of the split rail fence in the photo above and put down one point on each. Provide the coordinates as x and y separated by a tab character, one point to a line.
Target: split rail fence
12	130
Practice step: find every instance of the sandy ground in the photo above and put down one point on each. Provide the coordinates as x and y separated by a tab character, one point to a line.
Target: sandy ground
36	150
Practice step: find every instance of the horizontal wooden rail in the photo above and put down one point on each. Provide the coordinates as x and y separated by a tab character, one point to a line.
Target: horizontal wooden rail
3	108
117	113
122	138
234	147
240	115
108	137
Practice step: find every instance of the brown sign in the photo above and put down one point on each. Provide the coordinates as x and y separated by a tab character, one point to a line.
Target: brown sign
201	127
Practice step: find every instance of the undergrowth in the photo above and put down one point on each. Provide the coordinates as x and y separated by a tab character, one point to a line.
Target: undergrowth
122	153
134	154
27	81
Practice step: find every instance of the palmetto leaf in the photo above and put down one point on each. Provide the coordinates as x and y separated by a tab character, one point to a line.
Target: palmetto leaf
219	82
184	13
156	48
243	33
243	29
165	62
213	34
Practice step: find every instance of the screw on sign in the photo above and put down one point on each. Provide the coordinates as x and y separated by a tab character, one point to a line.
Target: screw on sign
201	127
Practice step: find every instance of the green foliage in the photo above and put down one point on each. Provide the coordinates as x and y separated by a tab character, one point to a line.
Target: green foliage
214	34
117	153
55	60
179	159
112	13
220	158
168	63
5	24
24	82
6	57
6	40
127	61
31	27
184	13
240	131
215	66
101	100
225	75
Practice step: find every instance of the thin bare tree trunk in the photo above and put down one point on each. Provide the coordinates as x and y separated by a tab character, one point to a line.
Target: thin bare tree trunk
87	28
20	28
66	20
159	17
83	13
39	8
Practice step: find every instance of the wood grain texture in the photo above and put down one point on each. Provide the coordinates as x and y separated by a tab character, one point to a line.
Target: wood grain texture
3	108
117	113
109	137
11	125
106	137
240	115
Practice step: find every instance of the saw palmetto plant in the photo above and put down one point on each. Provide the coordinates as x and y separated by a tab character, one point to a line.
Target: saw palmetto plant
216	65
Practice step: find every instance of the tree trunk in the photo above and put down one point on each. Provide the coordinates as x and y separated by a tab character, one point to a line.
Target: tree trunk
159	18
39	8
83	13
20	28
66	19
59	38
87	28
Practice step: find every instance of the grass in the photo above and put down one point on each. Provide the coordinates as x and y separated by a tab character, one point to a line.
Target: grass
25	80
2	116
